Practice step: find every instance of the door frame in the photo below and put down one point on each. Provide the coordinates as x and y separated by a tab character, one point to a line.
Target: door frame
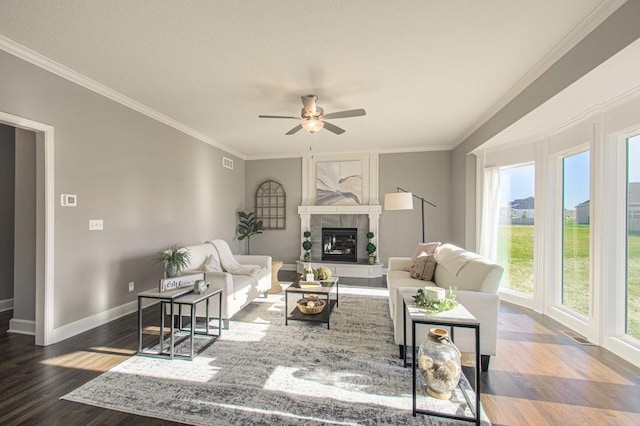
45	225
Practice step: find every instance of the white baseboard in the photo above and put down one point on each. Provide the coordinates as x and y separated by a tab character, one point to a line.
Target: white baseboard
6	305
88	323
19	326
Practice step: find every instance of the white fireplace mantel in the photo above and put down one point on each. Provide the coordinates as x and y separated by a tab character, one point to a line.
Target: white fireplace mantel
372	207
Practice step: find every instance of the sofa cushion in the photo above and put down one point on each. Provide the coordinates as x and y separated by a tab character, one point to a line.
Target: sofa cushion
423	268
422	249
453	258
249	270
472	272
198	255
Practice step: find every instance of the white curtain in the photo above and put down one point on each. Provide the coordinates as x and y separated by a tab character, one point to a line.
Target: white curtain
490	213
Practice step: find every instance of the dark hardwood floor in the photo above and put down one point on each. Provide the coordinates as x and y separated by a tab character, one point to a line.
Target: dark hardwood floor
540	376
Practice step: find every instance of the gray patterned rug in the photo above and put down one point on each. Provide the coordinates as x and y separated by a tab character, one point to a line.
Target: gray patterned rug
263	373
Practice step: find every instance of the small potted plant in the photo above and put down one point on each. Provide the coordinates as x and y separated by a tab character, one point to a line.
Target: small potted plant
174	260
371	249
306	245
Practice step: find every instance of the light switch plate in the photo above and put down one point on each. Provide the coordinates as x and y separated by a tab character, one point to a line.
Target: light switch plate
96	225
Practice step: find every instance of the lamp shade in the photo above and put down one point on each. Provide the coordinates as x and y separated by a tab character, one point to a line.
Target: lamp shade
398	201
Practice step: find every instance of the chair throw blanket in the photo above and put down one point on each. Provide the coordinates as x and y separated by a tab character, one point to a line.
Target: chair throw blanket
231	265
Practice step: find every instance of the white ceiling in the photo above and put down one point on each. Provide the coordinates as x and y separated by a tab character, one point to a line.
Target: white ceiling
428	72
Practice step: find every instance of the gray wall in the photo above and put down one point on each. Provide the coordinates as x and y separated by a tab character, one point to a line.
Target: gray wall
280	244
425	173
24	304
428	175
615	33
7	192
152	185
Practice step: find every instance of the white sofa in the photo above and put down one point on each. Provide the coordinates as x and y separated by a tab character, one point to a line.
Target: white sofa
477	280
238	290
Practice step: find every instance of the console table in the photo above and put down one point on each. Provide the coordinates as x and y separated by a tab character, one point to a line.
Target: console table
457	317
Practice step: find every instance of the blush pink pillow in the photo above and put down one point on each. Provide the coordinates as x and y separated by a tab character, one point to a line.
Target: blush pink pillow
422	249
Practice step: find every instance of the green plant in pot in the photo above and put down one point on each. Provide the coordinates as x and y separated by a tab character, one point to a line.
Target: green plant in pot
248	225
371	249
306	245
175	260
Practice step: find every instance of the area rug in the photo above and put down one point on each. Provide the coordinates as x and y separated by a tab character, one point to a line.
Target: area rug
261	372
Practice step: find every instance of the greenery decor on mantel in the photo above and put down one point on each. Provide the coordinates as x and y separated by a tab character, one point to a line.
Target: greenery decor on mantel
175	260
306	245
371	249
248	225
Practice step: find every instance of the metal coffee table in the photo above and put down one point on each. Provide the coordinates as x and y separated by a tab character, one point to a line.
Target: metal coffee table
325	290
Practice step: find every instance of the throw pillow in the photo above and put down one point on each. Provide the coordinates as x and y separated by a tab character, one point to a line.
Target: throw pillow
212	264
422	249
423	268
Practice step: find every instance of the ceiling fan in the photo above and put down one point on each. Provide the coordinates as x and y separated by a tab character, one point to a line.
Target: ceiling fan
313	117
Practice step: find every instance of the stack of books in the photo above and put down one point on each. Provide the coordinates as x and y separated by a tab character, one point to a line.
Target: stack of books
310	284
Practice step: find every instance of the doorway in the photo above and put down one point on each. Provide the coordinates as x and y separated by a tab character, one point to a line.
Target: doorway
44	224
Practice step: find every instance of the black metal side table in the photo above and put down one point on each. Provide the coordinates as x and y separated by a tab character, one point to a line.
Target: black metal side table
457	317
192	300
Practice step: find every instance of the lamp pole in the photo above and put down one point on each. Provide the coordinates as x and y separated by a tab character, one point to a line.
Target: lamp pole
398	189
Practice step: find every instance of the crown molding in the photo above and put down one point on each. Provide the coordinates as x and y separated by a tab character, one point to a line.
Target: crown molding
274	156
579	32
35	58
415	149
329	153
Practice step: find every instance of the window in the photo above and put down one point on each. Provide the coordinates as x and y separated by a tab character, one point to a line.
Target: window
516	227
271	205
576	232
632	299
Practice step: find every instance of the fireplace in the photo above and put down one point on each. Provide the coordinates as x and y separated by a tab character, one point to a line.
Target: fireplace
340	244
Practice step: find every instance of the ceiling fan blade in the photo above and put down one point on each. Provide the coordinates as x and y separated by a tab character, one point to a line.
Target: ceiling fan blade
277	116
345	114
334	129
309	103
294	130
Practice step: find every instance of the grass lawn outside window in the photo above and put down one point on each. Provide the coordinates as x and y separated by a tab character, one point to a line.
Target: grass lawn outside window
517	241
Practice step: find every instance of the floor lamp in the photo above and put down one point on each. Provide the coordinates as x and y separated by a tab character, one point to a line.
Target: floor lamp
403	200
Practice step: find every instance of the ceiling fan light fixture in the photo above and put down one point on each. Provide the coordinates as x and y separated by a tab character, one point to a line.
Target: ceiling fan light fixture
312	125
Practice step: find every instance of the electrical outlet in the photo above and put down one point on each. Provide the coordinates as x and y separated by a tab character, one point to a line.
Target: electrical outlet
131	286
96	225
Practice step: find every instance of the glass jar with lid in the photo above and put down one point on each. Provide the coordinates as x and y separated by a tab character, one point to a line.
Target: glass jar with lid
439	363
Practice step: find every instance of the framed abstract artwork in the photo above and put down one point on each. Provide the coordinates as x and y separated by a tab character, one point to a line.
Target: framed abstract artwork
339	183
